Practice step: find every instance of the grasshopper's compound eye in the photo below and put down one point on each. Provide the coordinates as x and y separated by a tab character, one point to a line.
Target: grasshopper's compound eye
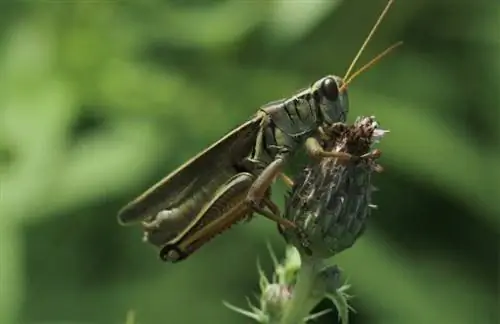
330	89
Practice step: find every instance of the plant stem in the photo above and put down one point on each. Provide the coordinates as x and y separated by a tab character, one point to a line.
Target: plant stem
300	304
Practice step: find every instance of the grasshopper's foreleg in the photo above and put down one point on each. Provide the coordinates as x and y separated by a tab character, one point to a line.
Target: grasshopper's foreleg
373	155
315	150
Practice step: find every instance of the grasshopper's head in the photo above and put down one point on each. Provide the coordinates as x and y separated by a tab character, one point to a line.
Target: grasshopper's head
332	99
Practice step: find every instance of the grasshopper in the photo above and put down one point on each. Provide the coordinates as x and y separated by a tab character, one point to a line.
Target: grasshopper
231	179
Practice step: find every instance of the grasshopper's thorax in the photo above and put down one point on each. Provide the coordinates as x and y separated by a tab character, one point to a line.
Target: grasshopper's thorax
333	104
298	117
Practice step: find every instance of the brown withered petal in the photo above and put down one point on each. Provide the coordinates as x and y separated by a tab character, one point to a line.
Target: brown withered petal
331	201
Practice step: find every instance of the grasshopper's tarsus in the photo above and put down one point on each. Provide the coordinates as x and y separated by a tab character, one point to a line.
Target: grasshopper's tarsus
274	217
375	154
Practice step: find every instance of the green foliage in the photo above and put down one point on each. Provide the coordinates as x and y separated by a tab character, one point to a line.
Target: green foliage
98	100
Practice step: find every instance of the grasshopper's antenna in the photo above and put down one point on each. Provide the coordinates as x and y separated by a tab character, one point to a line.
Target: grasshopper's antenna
369	64
374	28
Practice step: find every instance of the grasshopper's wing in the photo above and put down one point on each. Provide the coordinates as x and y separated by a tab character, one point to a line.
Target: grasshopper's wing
194	175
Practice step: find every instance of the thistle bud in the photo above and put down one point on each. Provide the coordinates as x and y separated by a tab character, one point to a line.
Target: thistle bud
274	299
331	200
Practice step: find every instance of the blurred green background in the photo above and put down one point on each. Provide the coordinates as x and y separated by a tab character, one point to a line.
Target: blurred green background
100	99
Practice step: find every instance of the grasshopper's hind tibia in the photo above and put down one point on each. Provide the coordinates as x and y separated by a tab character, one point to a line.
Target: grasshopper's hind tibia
225	209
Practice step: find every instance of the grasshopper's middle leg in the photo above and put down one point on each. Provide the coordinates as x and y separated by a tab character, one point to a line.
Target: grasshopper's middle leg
272	212
260	186
256	194
287	180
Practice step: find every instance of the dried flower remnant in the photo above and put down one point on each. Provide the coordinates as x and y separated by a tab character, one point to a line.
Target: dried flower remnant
331	201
